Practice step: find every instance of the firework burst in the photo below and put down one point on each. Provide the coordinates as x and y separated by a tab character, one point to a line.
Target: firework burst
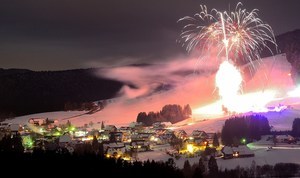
239	33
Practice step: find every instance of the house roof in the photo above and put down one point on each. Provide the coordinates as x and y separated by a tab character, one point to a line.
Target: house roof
65	138
109	127
227	150
242	149
284	137
115	145
14	127
199	133
135	124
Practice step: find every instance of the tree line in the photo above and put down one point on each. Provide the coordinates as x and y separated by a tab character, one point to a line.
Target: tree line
241	129
170	113
296	127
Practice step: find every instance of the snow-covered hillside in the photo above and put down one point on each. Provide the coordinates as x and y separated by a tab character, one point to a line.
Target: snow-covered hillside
271	74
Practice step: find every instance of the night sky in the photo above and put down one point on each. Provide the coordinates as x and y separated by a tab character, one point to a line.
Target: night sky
69	34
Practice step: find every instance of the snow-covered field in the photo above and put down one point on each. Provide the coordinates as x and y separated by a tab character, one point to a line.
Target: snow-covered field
262	157
282	153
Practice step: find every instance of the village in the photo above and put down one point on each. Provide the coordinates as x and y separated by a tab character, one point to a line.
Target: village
129	142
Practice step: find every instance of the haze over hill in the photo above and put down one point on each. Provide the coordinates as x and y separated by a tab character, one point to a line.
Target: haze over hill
196	90
25	92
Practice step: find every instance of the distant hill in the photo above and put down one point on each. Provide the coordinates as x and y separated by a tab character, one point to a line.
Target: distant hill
289	43
25	92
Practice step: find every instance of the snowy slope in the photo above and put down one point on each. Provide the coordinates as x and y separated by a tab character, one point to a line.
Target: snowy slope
61	116
272	73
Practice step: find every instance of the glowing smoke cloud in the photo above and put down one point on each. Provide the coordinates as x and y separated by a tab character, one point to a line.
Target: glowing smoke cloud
146	81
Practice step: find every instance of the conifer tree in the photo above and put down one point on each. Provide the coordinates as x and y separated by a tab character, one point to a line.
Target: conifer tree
213	166
216	141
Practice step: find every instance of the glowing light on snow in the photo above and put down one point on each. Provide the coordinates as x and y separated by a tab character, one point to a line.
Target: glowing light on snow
295	93
250	102
191	123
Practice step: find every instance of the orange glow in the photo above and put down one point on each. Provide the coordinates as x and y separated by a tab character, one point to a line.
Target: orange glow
190	148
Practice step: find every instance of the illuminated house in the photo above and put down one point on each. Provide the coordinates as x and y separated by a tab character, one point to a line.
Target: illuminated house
115	150
210	137
199	134
181	134
65	140
14	128
110	128
285	139
36	121
140	145
126	133
142	136
136	126
4	126
158	125
236	152
42	122
200	141
116	136
125	129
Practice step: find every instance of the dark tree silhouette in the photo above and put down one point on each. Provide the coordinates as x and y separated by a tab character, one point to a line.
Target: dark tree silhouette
212	166
102	125
95	144
216	141
187	111
201	165
187	169
169	113
197	173
12	143
296	127
248	127
17	145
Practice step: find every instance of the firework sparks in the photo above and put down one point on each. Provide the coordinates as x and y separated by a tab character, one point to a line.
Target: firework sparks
240	33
